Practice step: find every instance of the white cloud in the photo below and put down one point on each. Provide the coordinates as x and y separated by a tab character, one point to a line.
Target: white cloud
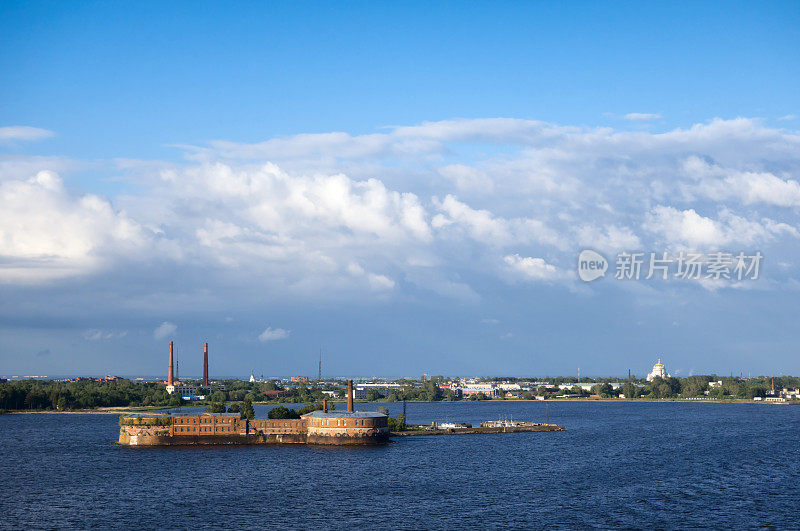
95	334
468	178
380	282
375	281
273	334
642	116
339	216
46	233
611	238
687	228
536	269
483	226
750	187
164	330
22	132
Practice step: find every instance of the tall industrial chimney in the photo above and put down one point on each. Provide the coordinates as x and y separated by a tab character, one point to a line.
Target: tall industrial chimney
349	396
205	364
170	379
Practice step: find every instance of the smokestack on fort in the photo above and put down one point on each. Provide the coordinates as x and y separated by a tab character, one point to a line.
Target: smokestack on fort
170	378
349	396
205	364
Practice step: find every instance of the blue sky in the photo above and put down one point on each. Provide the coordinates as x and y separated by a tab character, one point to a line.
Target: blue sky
406	186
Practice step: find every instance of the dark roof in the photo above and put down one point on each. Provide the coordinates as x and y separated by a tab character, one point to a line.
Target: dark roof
343	414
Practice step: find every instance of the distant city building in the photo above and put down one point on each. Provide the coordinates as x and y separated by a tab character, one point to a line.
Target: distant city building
92	379
252	378
774	399
182	390
489	390
659	371
380	385
299	378
586	386
792	394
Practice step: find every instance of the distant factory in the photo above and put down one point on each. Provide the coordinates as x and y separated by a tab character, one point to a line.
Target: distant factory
174	384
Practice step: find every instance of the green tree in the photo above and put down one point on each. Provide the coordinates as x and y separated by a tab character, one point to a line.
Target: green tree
247	408
63	403
308	409
218	396
398	424
282	412
629	390
175	400
603	390
216	407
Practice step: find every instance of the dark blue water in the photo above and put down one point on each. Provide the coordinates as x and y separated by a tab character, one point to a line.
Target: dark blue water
633	465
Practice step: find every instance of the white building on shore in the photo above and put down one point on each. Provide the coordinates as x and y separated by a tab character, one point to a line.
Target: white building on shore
659	371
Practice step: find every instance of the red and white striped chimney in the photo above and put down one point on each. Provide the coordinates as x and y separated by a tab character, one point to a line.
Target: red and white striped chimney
205	364
170	376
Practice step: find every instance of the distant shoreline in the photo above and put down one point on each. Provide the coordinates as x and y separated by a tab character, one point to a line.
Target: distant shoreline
123	410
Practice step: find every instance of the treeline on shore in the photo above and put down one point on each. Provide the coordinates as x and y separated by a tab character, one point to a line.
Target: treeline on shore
56	395
720	388
53	395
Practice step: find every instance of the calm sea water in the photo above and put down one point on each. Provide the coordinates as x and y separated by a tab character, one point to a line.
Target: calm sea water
633	465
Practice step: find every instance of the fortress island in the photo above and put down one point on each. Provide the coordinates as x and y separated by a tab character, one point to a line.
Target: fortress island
318	427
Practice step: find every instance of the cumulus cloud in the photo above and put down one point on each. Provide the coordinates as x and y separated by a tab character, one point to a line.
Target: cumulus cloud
406	208
46	233
531	268
164	330
376	282
749	187
273	334
611	238
687	228
22	132
484	227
